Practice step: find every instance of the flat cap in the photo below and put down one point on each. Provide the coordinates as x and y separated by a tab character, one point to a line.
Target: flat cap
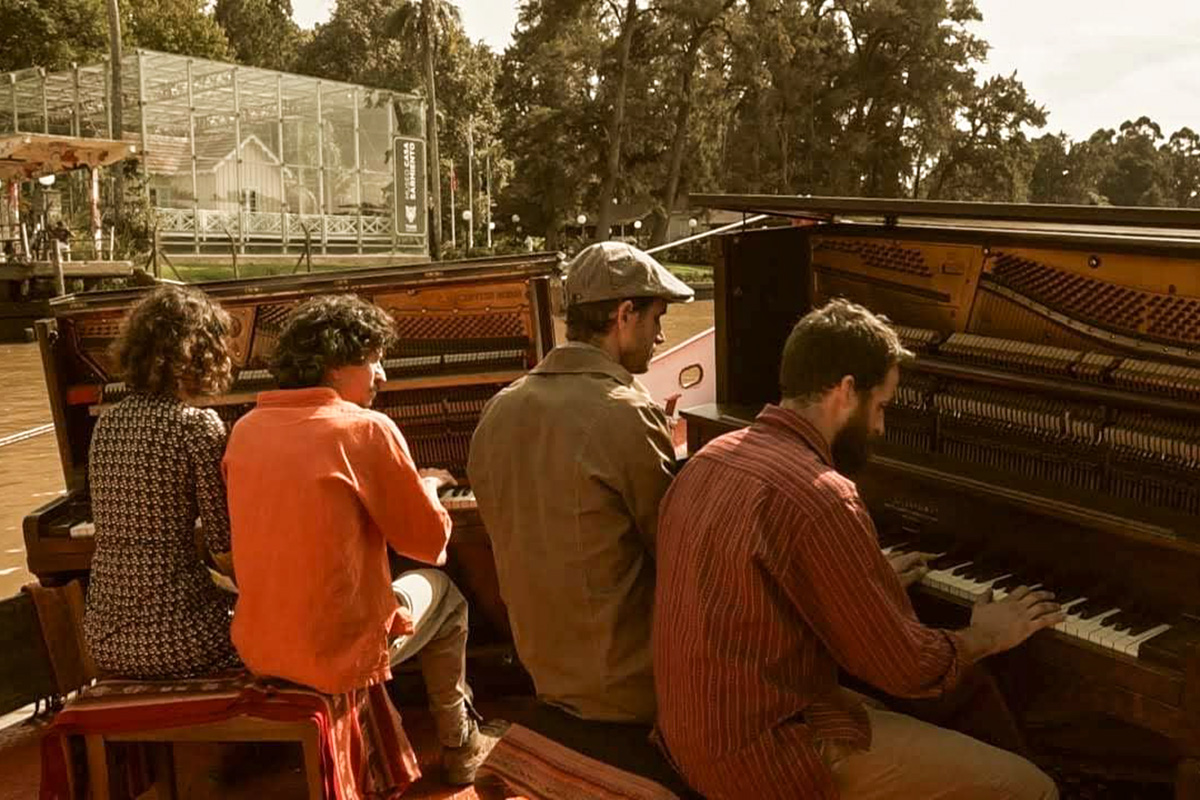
615	270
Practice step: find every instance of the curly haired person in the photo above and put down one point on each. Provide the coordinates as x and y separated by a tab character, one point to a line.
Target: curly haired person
319	487
154	467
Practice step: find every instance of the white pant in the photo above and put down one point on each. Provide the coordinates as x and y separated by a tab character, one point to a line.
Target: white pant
439	640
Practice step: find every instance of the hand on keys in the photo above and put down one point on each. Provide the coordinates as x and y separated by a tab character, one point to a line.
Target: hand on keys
437	477
1004	624
911	567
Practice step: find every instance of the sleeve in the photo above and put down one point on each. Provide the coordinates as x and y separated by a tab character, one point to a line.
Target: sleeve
206	449
413	523
642	457
832	570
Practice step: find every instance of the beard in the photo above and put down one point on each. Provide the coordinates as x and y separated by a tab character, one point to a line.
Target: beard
851	446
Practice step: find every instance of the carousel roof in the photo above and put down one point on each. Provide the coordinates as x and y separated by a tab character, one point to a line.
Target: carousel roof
27	156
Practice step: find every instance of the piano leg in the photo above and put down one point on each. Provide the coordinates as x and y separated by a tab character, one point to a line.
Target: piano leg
1187	780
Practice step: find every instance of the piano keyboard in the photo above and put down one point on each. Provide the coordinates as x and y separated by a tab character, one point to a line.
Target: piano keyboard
457	498
1101	621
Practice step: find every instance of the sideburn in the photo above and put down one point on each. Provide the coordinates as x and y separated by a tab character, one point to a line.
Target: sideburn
851	447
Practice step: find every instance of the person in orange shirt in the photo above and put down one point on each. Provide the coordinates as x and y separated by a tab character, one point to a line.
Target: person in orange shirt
319	487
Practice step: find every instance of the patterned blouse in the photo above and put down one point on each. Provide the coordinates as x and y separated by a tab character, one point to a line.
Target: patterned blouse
152	609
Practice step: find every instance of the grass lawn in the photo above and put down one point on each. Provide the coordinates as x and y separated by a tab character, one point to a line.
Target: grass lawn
691	273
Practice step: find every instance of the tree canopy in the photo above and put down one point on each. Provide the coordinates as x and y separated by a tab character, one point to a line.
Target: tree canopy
616	109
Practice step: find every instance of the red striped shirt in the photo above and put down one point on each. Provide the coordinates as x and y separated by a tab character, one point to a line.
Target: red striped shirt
770	578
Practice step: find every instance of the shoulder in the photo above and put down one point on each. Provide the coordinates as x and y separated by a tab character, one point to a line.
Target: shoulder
373	430
203	426
791	474
632	403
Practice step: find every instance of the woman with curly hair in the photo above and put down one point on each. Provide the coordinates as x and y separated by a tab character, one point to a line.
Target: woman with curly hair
154	472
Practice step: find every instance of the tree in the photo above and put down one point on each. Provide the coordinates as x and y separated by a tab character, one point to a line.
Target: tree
51	33
625	23
987	156
695	21
1181	154
261	33
551	120
1136	176
175	26
429	20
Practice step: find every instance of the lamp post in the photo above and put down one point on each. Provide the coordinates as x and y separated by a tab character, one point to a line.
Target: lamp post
582	220
637	232
466	215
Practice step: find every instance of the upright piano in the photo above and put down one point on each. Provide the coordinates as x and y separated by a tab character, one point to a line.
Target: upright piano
464	330
1047	432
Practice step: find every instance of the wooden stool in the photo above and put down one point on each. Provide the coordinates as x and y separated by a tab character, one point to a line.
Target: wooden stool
236	729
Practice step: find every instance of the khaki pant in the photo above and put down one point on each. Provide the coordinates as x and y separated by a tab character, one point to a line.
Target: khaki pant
913	759
439	640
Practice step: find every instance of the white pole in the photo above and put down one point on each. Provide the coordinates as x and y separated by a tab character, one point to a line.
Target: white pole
489	199
471	184
453	213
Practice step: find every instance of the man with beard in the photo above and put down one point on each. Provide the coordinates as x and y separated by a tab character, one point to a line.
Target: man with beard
568	466
771	579
319	487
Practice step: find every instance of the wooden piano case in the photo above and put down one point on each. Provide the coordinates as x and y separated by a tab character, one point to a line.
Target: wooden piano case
1050	423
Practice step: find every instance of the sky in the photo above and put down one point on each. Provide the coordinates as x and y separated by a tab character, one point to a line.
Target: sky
1091	63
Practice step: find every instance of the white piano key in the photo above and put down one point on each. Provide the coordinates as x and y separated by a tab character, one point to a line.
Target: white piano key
1133	648
1080	628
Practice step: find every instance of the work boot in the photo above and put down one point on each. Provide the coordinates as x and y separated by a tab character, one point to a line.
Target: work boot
462	762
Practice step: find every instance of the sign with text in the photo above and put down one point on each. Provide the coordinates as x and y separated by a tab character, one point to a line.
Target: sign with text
411	217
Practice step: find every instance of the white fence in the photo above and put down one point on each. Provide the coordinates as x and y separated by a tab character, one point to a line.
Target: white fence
179	226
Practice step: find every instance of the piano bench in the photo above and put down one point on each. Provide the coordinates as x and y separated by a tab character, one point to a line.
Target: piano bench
232	707
237	729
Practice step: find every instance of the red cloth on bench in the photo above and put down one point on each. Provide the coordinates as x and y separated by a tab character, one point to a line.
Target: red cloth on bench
352	727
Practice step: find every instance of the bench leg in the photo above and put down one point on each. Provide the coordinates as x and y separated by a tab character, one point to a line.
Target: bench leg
312	765
164	770
97	759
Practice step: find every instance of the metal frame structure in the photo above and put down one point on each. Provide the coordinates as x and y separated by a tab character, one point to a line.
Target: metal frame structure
322	150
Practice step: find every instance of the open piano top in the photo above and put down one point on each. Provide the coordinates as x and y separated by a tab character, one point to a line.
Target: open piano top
465	330
1047	433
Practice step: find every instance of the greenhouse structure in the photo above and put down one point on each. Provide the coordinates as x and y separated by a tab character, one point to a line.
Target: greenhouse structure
241	157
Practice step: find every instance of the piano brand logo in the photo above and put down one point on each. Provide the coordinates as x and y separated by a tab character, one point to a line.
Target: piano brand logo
410	214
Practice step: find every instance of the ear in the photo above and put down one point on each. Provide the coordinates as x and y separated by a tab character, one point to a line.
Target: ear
625	313
846	393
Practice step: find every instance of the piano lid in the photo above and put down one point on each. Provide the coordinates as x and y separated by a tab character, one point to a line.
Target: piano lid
1160	225
365	280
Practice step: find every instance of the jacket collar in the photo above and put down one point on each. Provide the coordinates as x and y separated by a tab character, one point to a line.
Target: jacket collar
795	426
295	398
577	358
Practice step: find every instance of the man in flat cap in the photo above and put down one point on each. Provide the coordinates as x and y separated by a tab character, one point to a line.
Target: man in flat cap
568	466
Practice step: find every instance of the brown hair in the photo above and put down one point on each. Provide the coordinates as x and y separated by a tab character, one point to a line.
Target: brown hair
839	339
326	333
588	321
173	342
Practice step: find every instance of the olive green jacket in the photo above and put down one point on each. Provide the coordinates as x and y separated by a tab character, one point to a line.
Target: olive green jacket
568	466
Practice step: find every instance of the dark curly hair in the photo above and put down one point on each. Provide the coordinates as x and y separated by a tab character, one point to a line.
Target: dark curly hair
175	342
326	333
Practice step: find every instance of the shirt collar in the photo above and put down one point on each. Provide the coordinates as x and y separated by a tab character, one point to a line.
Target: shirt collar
311	396
794	425
575	358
